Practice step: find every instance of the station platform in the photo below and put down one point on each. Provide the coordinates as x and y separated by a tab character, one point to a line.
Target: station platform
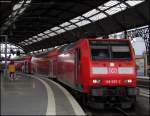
143	81
34	95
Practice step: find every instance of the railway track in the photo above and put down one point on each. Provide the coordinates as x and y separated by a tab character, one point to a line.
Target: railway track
115	111
122	111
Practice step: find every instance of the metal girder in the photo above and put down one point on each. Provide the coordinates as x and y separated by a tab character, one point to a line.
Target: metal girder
12	18
141	32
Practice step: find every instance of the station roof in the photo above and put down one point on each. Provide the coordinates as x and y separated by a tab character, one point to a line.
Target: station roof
42	24
6	9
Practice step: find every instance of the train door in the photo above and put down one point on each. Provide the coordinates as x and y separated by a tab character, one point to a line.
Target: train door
26	67
77	63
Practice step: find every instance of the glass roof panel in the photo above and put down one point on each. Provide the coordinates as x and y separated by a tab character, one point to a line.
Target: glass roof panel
79	18
90	13
60	31
30	42
116	9
55	28
51	34
45	36
34	40
65	24
41	34
81	23
26	40
30	39
102	7
47	31
25	44
34	36
97	17
108	4
111	3
134	2
39	39
70	27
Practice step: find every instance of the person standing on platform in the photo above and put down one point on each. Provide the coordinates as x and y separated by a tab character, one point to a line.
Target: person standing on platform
11	70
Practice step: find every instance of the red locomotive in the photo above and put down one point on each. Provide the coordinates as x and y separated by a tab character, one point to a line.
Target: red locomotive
102	69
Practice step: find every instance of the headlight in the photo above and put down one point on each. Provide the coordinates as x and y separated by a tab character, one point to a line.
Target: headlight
129	81
96	81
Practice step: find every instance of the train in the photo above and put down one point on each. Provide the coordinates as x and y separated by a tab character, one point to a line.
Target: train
23	64
101	71
45	63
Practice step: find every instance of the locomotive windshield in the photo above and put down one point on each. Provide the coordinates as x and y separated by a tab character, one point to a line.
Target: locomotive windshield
112	50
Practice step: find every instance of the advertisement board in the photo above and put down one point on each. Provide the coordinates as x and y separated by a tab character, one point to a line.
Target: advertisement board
140	66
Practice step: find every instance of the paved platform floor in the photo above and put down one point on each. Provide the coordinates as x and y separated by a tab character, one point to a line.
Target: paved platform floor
31	95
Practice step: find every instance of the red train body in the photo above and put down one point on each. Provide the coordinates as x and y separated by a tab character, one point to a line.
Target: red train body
23	64
46	63
101	70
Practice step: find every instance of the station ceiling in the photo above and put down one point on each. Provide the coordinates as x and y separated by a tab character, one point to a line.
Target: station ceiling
49	23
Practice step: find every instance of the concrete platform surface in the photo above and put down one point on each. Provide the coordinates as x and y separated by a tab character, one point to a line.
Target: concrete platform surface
32	95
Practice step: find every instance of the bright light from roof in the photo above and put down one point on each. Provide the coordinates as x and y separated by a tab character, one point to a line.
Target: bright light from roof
97	17
116	9
65	24
111	3
34	36
60	31
84	22
134	2
9	47
90	13
45	36
47	31
79	18
38	39
55	28
41	34
70	27
51	34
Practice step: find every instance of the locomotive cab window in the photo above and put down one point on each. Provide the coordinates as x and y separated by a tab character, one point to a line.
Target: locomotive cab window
121	52
100	52
109	49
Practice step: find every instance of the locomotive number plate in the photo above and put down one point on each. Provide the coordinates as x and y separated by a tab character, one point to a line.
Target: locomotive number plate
113	70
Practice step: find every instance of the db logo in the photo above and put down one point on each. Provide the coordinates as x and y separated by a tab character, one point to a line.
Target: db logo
113	70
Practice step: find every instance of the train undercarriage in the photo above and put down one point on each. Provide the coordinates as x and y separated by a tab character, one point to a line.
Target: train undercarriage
110	97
